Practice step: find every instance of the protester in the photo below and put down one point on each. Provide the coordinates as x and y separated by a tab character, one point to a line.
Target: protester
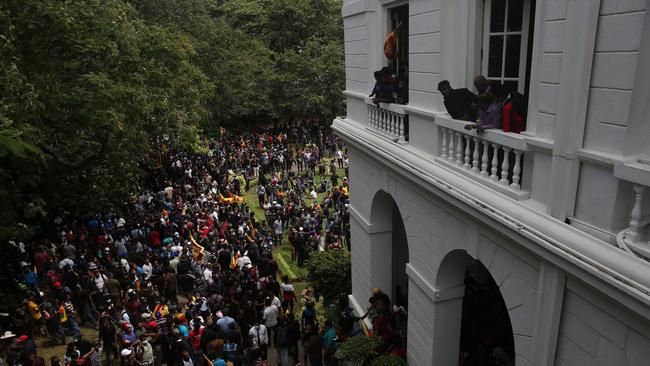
185	272
460	103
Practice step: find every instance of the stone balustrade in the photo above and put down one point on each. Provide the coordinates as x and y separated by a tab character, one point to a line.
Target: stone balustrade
389	120
494	158
634	239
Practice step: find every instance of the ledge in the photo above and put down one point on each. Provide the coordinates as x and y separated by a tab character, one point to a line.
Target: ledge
513	140
354	94
635	170
580	254
599	157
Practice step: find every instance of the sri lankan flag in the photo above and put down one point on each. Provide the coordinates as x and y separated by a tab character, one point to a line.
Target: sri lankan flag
197	250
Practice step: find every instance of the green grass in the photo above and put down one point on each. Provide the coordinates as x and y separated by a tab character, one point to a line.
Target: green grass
298	275
47	348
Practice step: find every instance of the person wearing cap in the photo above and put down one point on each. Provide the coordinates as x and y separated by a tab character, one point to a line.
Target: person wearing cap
127	356
144	351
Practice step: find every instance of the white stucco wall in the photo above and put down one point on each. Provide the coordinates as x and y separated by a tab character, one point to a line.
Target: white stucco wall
436	227
594	331
618	40
581	116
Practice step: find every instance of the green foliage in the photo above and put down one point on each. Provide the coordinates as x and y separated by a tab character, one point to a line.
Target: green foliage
358	349
89	88
387	360
329	273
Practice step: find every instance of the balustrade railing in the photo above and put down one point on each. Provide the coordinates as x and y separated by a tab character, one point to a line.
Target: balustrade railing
494	157
389	121
634	239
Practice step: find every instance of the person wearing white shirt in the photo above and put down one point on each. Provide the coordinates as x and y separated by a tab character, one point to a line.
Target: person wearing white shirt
243	262
276	301
271	313
259	337
147	269
207	275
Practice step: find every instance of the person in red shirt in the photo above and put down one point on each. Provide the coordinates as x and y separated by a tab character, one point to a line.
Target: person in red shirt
512	114
154	238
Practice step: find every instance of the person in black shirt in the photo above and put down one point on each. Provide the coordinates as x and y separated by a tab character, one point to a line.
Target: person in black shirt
460	103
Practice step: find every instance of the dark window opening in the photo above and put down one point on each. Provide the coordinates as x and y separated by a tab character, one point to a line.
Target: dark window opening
486	336
391	82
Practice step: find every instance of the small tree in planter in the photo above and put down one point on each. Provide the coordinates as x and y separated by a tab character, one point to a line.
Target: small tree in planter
356	350
329	273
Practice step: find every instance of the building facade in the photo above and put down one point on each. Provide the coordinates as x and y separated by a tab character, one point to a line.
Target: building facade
553	219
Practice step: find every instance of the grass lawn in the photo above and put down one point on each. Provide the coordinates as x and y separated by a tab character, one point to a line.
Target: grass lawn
282	253
47	348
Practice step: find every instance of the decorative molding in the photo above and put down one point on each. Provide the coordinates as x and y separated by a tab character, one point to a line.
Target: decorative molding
370	228
635	170
576	252
353	94
599	157
421	282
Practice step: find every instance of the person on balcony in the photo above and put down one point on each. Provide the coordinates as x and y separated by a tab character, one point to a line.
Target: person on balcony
483	85
385	89
460	103
489	114
512	109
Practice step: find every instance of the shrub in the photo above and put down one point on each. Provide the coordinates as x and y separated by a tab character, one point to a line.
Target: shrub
387	360
358	349
329	273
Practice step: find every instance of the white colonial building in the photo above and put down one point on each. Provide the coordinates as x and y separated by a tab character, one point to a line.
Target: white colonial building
548	228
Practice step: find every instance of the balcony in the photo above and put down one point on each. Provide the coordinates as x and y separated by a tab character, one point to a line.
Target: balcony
388	120
635	238
493	158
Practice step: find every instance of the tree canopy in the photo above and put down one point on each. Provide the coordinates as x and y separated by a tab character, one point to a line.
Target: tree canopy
90	89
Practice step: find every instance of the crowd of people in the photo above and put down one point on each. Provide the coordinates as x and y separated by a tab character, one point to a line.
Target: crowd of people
185	274
493	107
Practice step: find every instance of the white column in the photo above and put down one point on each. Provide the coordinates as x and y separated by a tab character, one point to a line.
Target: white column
475	162
443	145
516	170
450	140
494	169
484	158
459	148
468	152
580	30
505	166
401	129
633	232
547	315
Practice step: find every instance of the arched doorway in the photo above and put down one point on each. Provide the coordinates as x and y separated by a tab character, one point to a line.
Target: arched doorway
389	249
389	256
486	336
472	325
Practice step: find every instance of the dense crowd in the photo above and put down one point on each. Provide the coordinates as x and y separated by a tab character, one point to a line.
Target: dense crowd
185	273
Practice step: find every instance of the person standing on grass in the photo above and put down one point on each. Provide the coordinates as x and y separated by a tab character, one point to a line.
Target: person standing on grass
270	315
288	293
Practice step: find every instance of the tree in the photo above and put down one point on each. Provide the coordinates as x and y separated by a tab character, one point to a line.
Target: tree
305	39
330	274
93	87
